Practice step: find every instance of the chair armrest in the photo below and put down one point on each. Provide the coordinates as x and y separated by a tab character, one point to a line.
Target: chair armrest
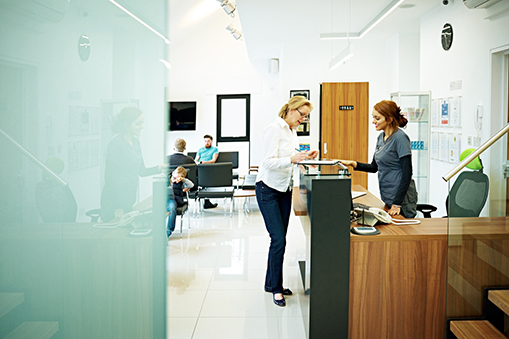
426	209
94	214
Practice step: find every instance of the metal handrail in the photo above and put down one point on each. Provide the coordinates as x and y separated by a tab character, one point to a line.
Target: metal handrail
34	159
476	153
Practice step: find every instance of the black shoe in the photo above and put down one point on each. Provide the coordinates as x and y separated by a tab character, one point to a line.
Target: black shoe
286	291
280	302
208	204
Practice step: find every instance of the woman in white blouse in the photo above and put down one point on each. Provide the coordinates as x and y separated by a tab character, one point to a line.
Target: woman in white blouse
274	186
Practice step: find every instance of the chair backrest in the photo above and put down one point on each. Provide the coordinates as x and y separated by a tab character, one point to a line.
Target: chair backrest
191	173
215	175
54	202
192	154
468	194
232	157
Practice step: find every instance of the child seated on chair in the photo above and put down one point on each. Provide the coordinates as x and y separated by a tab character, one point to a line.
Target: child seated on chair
178	185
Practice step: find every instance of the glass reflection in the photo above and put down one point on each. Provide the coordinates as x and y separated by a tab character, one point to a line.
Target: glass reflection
67	69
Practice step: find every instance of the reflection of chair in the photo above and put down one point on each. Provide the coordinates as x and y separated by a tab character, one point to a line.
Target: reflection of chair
215	181
55	202
468	194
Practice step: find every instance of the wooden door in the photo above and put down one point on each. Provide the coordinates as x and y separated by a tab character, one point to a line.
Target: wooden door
345	116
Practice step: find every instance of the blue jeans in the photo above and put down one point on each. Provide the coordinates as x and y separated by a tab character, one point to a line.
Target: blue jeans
171	206
275	207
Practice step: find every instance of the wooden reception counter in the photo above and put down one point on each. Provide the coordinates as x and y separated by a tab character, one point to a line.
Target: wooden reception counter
397	279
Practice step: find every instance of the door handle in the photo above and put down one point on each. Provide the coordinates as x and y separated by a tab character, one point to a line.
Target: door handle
324	148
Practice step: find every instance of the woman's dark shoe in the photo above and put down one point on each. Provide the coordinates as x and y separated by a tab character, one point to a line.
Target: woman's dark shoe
279	302
286	291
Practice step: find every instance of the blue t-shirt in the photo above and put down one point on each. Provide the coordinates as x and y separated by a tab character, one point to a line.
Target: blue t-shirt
206	154
387	155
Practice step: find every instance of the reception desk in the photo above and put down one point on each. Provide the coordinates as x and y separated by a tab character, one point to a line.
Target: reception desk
397	279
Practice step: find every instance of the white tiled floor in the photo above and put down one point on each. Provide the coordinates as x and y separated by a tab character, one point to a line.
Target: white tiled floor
216	273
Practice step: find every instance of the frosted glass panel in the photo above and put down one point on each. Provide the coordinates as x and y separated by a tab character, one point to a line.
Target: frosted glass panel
67	70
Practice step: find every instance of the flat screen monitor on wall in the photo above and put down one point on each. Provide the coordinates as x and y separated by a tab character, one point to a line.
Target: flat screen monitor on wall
182	115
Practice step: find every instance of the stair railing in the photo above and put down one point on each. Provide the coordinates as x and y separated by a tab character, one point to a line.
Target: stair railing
475	153
33	159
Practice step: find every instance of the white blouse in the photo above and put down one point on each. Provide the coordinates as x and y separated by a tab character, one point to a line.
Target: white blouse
279	144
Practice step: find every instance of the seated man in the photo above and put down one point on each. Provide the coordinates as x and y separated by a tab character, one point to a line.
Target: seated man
179	158
207	155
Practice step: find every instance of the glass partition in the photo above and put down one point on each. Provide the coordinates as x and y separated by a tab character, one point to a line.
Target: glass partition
74	262
478	246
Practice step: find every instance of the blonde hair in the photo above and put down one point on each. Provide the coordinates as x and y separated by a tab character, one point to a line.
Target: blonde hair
180	145
181	171
295	102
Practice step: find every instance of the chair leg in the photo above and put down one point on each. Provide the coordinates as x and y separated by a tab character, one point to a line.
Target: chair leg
181	222
231	207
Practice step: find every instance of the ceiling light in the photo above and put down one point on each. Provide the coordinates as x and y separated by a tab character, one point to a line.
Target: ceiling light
228	7
236	34
341	58
384	13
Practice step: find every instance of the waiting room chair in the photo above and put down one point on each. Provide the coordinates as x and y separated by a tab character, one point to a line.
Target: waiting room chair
181	210
191	194
232	157
468	194
216	181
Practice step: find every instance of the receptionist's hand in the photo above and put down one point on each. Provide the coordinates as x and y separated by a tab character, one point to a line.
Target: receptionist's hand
350	163
395	210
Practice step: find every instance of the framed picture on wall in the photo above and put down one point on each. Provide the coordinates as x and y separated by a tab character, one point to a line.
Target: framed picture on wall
303	129
304	93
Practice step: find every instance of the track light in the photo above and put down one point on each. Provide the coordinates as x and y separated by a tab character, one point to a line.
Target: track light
341	58
236	34
228	7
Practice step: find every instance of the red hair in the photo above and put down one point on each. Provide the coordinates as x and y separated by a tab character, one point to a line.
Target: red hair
391	111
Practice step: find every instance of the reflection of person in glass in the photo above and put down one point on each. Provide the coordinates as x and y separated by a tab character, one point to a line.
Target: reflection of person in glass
124	165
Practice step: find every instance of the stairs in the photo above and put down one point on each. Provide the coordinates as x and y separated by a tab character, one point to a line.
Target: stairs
496	303
27	329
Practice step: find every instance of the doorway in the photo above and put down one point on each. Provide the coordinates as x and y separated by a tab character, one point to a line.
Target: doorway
344	120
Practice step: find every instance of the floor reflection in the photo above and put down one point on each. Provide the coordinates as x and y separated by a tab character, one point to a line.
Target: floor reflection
216	271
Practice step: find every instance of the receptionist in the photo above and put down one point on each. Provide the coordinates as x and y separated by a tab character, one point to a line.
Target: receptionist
392	160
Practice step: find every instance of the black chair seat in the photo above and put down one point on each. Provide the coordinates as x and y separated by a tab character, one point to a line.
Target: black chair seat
216	192
182	209
249	182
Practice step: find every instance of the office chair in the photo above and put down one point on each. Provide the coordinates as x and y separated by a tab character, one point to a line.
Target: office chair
54	202
216	181
469	193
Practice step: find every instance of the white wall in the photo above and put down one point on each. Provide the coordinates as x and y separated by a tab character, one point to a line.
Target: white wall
211	62
411	60
468	60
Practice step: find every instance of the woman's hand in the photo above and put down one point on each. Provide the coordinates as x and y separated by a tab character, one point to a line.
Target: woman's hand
304	155
395	210
298	157
350	163
186	189
312	154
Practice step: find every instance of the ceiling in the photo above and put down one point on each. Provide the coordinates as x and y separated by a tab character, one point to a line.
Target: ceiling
275	23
